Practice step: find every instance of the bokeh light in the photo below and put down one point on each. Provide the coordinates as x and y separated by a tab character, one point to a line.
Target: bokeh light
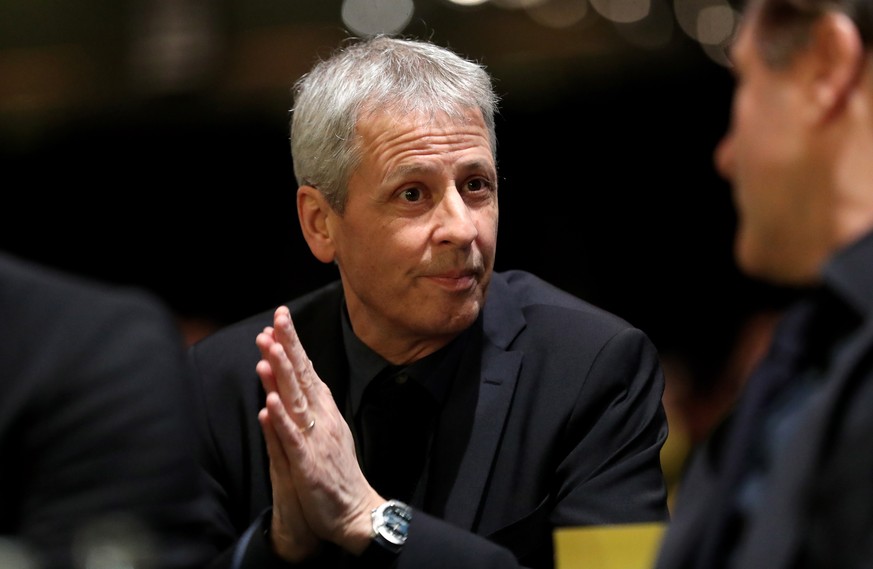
518	4
371	17
715	24
559	13
623	11
653	31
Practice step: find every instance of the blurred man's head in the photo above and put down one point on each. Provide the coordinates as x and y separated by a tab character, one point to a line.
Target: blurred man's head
798	150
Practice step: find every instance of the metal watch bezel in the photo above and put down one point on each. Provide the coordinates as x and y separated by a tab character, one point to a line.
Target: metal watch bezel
391	523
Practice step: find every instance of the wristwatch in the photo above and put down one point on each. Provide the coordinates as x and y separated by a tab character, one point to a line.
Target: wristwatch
391	525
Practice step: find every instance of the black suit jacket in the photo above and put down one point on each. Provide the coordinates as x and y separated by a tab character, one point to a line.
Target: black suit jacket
556	420
96	444
817	509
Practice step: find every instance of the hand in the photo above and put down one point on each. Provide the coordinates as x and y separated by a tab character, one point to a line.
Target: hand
292	538
317	448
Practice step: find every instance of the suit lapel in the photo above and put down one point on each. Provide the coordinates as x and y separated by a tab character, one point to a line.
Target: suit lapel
495	389
493	371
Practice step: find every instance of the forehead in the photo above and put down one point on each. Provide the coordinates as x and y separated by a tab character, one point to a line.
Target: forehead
381	128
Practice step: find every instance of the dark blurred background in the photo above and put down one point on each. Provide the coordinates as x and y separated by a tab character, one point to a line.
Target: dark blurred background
145	142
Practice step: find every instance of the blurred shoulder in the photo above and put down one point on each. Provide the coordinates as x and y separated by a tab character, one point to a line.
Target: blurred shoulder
41	301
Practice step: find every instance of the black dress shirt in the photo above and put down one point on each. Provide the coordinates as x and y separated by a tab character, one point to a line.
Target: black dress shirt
407	400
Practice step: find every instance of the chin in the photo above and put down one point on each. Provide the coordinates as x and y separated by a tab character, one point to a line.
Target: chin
749	265
766	269
460	320
747	250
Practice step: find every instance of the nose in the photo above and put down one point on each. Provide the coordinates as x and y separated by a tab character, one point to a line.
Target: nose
455	220
723	156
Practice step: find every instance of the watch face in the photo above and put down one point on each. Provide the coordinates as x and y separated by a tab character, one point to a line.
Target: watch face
392	522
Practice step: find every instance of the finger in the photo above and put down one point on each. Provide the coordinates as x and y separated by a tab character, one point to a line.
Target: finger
295	402
268	379
278	458
310	382
301	368
289	435
307	378
263	368
289	529
286	334
265	338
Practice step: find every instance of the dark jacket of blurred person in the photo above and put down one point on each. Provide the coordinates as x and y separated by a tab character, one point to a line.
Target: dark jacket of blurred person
787	479
97	464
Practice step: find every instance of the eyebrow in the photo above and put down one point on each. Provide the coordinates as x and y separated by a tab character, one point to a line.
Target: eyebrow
407	170
479	165
410	169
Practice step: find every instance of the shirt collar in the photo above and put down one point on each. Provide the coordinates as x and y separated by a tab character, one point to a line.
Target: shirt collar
435	371
849	275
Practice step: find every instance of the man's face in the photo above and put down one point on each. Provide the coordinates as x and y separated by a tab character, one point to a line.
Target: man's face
415	245
766	157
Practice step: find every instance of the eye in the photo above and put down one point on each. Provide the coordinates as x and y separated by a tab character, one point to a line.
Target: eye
478	185
411	194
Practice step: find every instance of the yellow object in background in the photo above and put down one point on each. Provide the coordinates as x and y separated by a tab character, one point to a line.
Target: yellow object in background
621	546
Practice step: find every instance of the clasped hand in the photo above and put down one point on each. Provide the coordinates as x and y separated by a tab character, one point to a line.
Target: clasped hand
319	491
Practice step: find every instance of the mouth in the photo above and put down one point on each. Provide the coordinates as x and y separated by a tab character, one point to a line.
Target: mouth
456	280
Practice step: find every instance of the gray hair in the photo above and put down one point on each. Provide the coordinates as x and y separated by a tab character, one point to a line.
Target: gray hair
402	75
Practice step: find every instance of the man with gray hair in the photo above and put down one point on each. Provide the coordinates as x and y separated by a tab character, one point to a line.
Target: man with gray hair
423	410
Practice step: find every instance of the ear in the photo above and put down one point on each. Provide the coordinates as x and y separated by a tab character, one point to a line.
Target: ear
836	56
313	211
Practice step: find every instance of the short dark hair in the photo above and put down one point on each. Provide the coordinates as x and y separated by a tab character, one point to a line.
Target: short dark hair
785	25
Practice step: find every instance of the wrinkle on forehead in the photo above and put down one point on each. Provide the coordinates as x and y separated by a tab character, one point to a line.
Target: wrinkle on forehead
422	132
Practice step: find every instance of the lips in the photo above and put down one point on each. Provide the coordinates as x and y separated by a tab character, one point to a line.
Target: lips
473	270
464	282
471	273
462	279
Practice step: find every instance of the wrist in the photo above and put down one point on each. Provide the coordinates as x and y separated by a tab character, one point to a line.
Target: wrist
358	532
287	545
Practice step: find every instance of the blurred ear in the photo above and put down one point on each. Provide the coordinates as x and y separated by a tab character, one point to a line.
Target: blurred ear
836	58
313	211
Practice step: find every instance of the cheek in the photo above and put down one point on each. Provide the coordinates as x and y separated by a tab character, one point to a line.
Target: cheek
756	133
770	113
362	247
744	120
486	224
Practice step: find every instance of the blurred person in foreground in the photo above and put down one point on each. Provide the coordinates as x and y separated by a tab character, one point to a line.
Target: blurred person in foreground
787	479
530	409
97	465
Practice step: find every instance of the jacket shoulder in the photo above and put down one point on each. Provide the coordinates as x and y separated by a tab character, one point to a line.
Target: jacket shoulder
534	295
